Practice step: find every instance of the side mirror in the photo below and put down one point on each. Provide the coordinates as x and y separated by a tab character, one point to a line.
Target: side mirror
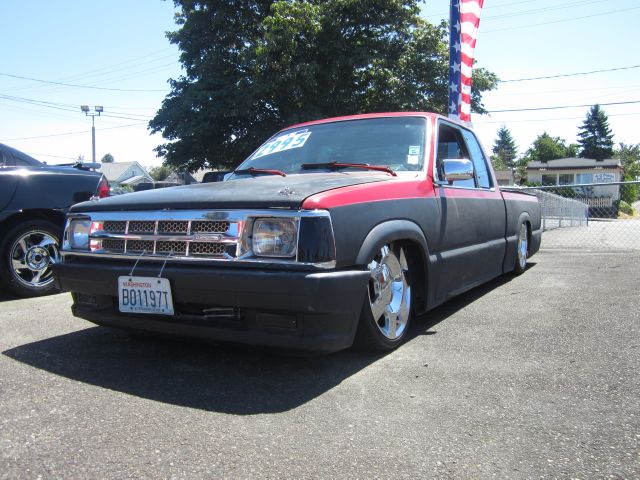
457	169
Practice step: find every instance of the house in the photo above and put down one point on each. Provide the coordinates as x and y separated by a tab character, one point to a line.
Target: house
507	178
583	172
181	178
579	171
125	173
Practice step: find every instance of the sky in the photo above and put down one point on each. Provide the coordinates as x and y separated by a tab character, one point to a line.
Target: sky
57	56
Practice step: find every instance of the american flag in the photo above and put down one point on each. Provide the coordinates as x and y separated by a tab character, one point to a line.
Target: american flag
465	20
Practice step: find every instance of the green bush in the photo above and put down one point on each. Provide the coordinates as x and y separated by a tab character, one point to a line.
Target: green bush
626	208
629	192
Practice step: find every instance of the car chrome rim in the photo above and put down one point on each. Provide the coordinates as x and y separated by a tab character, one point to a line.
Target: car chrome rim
522	246
31	258
389	292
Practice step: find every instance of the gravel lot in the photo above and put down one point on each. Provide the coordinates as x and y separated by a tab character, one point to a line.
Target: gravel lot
527	377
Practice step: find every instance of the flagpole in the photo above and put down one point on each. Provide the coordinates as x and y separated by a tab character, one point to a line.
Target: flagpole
454	80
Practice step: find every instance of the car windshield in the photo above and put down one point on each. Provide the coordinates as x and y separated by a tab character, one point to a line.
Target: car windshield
395	142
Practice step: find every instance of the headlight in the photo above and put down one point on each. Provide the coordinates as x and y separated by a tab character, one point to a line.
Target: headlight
275	237
77	235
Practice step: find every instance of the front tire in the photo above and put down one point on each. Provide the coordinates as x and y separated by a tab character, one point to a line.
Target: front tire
27	252
387	308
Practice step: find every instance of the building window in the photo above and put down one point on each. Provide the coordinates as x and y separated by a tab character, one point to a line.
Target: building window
549	179
582	178
565	179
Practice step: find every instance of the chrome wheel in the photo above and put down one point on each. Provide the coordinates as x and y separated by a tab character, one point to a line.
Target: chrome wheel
523	247
390	292
31	256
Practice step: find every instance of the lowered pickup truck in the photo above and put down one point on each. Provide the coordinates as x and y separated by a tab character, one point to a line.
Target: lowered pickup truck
331	232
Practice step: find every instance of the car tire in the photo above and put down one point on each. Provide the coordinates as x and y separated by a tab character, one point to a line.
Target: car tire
522	249
387	307
27	252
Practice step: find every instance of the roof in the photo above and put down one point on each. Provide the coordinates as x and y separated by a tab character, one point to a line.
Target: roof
181	177
114	170
574	163
504	174
370	115
134	180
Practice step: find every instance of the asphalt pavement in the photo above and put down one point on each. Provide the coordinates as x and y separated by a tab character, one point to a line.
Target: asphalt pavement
535	376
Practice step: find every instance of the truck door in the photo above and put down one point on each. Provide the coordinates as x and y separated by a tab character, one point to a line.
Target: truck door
472	221
8	182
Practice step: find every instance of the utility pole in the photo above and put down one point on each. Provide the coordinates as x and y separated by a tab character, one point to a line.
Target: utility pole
97	110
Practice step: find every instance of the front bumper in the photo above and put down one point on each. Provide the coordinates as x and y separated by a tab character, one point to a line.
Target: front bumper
315	311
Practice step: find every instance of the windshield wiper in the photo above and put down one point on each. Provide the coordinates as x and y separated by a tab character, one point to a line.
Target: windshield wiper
338	165
253	171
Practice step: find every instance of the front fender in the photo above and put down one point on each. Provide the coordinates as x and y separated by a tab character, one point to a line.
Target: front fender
387	232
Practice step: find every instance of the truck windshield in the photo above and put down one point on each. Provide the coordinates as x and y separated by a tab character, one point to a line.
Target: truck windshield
394	142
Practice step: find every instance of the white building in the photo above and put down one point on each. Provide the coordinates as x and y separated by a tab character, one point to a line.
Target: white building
125	173
579	171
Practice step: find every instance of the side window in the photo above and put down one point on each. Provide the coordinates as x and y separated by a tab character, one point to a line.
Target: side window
20	162
7	159
451	145
477	157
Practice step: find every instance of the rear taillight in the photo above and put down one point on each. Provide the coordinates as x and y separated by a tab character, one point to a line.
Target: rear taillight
103	188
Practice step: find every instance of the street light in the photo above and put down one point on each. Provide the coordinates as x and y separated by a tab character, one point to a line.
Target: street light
97	110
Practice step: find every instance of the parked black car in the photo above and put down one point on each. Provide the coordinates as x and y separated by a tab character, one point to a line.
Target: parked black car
34	199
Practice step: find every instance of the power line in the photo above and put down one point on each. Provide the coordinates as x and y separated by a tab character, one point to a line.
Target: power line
79	86
562	106
564	20
556	119
488	7
79	132
67	107
569	74
519	13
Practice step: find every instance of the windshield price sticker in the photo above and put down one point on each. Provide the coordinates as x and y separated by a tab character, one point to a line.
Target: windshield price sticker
145	295
413	157
282	143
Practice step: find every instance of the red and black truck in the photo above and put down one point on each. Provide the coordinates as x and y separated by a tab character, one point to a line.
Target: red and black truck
332	232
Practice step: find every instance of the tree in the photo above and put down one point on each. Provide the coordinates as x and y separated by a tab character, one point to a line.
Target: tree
107	158
256	66
595	137
160	173
504	150
545	148
629	155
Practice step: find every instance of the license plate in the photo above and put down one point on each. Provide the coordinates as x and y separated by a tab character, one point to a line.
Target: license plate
145	295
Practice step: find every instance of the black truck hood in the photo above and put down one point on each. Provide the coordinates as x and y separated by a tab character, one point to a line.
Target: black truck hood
252	192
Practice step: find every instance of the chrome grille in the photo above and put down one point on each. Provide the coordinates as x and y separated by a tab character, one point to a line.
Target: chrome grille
168	237
173	227
209	226
203	248
178	248
142	227
112	226
139	246
113	245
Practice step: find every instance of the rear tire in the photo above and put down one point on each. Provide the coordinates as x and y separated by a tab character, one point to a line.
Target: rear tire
387	307
522	249
27	252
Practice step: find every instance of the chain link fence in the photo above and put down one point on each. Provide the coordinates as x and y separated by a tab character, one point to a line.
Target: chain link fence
590	216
